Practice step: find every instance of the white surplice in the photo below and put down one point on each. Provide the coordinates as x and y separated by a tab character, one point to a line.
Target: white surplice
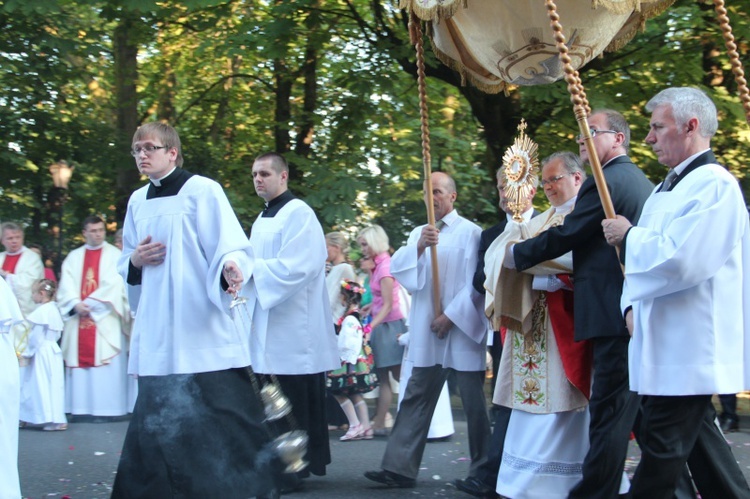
292	329
10	392
43	382
686	266
182	317
464	348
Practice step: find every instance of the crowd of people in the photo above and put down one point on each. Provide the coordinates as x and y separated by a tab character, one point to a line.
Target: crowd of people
598	328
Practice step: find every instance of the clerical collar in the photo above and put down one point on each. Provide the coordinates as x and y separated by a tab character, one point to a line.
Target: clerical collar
681	167
157	181
169	185
277	203
566	207
93	248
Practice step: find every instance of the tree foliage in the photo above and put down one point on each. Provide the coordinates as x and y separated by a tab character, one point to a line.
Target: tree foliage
330	84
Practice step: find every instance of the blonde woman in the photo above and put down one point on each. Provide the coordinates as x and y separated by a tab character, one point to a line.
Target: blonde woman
387	320
337	246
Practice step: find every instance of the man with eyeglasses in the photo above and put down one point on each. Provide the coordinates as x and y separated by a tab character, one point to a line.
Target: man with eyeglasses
197	428
598	285
549	420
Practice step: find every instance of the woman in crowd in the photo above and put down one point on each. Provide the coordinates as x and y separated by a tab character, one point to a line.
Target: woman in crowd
387	322
340	270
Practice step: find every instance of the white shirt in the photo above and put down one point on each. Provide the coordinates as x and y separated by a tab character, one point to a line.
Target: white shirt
463	348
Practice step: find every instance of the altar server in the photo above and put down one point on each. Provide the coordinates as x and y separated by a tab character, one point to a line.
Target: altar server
293	336
686	301
197	428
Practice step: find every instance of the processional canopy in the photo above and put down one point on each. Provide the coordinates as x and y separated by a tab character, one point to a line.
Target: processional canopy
497	43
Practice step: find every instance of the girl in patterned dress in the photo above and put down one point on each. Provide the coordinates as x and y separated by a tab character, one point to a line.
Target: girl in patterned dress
356	374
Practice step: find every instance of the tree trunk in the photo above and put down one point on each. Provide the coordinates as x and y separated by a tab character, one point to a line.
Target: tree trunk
126	74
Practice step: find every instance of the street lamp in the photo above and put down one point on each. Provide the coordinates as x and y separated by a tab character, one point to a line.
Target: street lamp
61	174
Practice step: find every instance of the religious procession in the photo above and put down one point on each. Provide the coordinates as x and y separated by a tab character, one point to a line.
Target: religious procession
612	311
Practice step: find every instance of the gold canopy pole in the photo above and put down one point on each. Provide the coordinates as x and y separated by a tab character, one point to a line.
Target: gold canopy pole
415	33
734	57
581	110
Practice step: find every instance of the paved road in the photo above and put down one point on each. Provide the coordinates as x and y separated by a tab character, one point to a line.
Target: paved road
80	463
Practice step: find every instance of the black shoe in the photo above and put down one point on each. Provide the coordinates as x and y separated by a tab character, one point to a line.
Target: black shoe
475	487
729	426
390	479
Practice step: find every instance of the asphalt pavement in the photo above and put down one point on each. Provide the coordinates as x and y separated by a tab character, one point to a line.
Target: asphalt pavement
80	463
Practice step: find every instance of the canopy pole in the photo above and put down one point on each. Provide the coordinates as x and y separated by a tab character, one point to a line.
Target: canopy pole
415	33
581	109
734	56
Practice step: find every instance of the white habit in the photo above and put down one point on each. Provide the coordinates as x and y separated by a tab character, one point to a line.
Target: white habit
10	391
101	390
177	330
691	307
292	328
43	382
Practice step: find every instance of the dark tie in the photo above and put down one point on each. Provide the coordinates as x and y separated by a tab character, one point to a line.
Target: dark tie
439	224
668	181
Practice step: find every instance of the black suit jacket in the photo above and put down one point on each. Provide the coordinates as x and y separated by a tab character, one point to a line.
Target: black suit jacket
596	270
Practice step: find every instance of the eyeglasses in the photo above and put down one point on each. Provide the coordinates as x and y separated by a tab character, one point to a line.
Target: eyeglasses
579	137
149	150
555	180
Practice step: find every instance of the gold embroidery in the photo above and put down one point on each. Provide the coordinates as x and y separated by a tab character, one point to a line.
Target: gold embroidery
90	282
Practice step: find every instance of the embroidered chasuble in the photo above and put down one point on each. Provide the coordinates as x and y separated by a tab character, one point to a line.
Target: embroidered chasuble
87	326
542	369
9	265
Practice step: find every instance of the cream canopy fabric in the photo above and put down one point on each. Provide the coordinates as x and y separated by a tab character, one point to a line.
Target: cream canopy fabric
496	43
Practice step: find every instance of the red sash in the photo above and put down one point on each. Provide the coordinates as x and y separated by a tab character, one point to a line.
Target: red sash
9	265
576	356
86	325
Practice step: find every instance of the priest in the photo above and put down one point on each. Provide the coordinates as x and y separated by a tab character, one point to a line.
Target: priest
21	267
544	376
93	302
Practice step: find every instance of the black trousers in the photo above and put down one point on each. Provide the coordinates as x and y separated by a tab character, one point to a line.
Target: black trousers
196	435
675	430
307	393
613	408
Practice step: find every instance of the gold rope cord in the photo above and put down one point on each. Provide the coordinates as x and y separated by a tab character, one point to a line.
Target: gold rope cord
415	34
580	108
734	56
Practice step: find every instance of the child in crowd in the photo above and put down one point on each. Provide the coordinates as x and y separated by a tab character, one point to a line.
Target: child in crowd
42	383
356	375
